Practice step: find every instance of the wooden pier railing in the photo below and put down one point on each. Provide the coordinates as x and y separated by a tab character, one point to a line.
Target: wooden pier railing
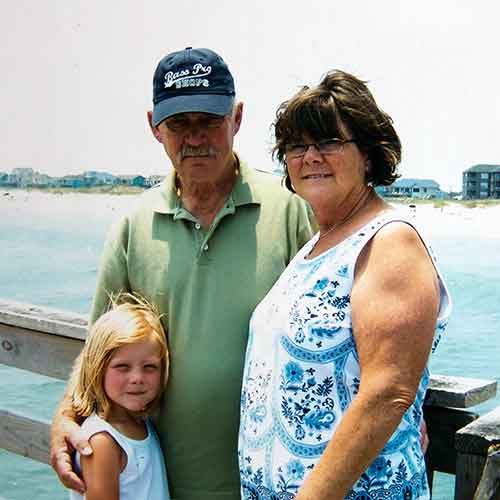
46	341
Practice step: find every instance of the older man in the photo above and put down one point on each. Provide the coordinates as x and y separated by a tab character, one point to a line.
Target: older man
205	247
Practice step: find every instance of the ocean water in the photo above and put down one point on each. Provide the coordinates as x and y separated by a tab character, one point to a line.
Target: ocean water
50	247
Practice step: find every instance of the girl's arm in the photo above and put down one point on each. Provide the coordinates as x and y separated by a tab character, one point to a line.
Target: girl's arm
395	301
101	470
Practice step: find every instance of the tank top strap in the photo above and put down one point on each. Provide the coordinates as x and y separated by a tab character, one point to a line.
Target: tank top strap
349	249
95	424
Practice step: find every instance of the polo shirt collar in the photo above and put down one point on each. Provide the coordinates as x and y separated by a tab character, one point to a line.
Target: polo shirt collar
244	192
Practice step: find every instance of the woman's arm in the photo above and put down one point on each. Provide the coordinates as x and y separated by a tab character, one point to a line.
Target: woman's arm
101	470
395	301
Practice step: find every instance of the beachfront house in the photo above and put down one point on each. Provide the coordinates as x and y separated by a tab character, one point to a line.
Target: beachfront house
22	176
5	179
153	180
131	180
41	180
481	181
94	178
71	181
425	189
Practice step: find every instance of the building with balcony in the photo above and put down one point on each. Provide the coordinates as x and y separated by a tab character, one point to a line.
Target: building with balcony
481	181
425	189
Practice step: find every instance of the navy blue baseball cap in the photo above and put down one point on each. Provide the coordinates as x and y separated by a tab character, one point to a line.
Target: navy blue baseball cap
192	80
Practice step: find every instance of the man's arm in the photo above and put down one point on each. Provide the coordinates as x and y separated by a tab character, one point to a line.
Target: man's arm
65	431
65	435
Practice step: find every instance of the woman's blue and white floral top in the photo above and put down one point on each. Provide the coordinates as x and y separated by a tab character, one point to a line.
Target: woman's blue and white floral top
302	373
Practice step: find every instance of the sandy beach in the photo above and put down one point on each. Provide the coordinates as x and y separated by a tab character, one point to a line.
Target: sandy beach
453	219
51	209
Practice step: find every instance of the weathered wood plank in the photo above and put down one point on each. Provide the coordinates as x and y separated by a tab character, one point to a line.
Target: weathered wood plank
459	392
25	436
456	392
43	319
43	353
469	470
489	484
472	444
476	437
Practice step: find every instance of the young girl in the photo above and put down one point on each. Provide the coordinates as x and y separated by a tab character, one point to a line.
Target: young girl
119	379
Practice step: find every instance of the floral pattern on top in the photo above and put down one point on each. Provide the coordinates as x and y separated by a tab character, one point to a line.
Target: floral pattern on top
302	373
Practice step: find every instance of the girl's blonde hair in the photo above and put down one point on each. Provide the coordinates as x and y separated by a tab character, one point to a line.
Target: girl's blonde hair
131	319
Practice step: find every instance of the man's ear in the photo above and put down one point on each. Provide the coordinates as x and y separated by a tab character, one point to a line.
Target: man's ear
154	130
238	117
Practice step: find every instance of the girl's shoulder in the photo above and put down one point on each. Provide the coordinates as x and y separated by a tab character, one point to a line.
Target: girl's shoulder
105	440
96	429
105	445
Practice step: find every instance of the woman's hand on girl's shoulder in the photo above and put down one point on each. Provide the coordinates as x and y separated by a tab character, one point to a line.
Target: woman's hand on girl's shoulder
101	470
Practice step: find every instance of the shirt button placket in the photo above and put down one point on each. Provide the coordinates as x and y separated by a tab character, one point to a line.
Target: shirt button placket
199	237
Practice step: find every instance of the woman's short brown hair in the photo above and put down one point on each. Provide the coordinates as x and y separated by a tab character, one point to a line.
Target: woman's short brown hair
319	112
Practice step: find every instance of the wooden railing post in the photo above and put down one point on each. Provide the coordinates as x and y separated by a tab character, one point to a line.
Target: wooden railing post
444	416
472	444
490	479
442	425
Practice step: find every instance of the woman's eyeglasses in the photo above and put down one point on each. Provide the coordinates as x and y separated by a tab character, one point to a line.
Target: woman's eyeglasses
328	146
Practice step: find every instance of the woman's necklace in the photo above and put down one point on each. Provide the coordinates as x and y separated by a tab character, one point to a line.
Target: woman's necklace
361	203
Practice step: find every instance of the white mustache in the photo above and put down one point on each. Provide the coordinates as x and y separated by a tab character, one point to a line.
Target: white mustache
195	151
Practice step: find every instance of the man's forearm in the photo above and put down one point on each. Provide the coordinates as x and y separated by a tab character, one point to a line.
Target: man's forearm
64	438
65	410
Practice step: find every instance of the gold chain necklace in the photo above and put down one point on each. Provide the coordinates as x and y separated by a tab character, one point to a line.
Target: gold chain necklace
361	203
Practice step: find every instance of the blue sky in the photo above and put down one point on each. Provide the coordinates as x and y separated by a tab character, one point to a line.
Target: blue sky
77	76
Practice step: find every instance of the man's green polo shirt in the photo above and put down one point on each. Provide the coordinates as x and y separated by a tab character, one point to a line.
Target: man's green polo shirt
207	284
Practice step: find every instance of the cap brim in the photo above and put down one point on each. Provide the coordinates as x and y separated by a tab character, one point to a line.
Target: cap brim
215	104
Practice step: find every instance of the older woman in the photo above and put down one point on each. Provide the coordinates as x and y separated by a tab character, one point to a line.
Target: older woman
335	372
